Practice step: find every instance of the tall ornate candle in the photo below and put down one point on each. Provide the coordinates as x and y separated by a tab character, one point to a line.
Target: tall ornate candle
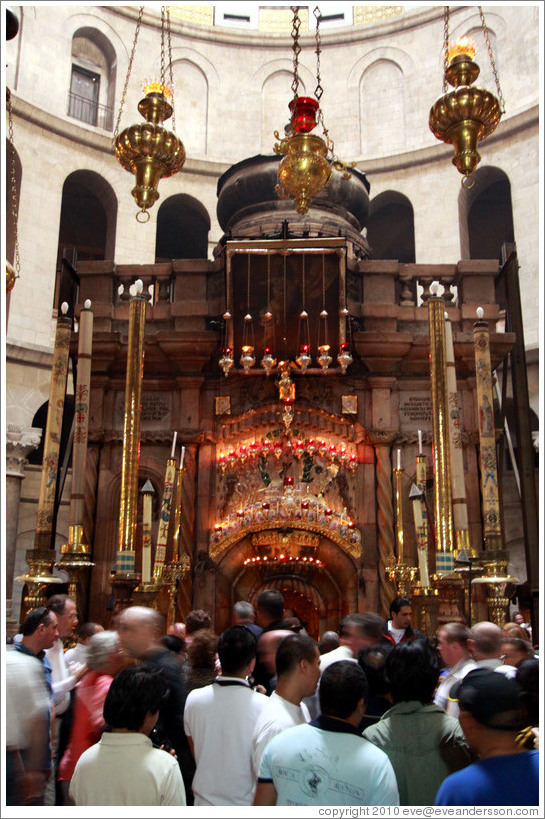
53	429
147	493
421	529
441	456
398	473
164	518
459	504
487	436
178	510
76	543
131	433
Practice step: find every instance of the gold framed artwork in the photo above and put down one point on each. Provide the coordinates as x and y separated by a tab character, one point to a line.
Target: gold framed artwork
223	405
349	404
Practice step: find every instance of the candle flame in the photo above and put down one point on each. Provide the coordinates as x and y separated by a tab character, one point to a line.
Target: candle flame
462	46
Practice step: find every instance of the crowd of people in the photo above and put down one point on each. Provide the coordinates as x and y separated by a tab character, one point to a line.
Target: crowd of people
263	714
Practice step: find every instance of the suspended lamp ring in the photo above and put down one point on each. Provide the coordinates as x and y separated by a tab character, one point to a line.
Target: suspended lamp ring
143	216
468	182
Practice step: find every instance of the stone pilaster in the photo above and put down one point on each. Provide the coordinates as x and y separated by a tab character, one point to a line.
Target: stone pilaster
20	441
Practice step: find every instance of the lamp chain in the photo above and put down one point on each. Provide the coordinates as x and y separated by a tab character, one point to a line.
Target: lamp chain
13	180
296	48
171	78
445	48
163	16
303	288
319	90
124	95
248	285
492	62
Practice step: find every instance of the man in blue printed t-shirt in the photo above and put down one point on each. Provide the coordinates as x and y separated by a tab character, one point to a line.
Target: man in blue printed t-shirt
327	761
491	716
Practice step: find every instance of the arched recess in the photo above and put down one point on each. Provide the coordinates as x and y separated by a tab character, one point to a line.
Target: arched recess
191	92
93	74
485	215
12	155
183	225
40	421
390	227
382	135
332	589
275	97
88	217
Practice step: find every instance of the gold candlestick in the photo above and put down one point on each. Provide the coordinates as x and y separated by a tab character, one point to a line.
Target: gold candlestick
459	504
441	456
125	564
41	558
178	510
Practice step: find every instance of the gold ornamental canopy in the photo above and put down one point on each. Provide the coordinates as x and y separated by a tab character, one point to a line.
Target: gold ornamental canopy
468	113
148	150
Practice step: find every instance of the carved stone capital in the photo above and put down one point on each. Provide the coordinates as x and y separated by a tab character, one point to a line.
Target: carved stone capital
381	437
20	441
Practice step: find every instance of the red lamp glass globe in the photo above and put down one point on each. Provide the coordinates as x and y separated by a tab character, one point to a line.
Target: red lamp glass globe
303	113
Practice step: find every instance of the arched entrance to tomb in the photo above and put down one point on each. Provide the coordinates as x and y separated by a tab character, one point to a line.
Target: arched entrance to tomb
317	574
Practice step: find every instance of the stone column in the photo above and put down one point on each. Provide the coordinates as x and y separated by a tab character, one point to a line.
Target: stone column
382	436
20	441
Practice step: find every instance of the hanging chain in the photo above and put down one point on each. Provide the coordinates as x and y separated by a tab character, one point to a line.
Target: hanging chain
445	48
171	78
296	48
248	287
124	95
304	298
13	180
323	281
318	90
163	21
268	282
492	62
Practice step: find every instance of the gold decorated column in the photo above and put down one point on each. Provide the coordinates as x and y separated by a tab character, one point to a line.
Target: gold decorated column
128	507
420	514
487	436
459	505
75	554
444	527
398	473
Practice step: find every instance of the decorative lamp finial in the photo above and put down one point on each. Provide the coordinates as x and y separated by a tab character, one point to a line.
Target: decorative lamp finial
87	304
480	313
64	308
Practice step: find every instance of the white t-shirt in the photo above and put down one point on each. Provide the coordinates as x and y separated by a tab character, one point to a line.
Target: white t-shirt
456	673
62	681
220	719
125	769
27	697
278	715
397	633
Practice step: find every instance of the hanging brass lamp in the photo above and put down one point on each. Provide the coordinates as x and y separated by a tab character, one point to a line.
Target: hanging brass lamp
148	150
467	114
308	159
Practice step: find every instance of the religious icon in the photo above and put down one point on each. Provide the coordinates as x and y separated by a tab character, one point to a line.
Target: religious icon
223	405
349	404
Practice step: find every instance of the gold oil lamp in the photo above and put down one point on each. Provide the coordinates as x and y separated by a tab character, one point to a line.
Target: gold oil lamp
148	150
308	159
468	113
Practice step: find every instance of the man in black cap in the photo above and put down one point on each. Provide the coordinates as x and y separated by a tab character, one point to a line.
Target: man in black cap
491	717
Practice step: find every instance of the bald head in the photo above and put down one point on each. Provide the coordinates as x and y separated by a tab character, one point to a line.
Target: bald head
485	641
266	648
139	629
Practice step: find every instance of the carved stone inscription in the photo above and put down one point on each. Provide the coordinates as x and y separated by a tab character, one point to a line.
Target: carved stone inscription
415	410
156	407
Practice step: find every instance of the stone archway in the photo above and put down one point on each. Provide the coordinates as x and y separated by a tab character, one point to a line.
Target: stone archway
324	591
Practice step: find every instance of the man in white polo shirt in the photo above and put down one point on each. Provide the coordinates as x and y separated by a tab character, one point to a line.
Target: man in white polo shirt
219	722
298	670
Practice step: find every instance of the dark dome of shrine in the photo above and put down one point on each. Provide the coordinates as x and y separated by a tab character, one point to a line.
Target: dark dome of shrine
249	206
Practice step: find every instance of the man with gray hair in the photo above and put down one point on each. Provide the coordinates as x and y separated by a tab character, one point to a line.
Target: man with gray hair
244	615
140	630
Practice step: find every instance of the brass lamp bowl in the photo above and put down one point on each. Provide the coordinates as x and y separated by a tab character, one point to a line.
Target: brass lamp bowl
465	115
10	277
149	151
304	171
